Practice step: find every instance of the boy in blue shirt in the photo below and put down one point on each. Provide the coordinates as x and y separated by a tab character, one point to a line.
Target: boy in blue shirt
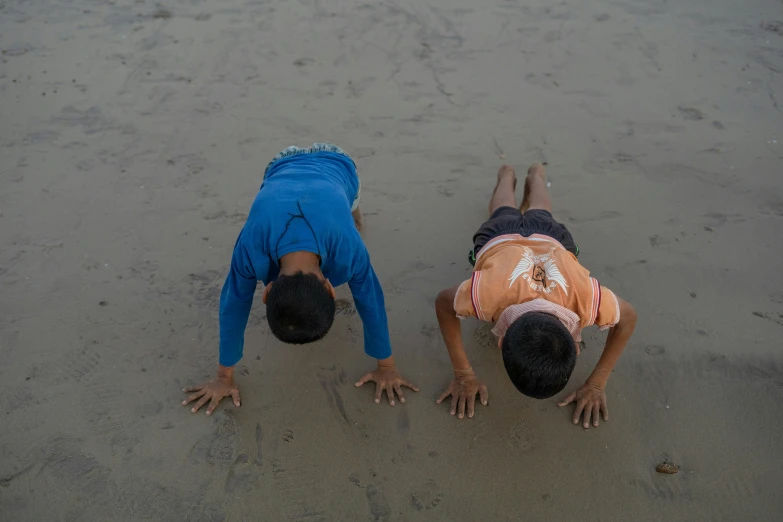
302	239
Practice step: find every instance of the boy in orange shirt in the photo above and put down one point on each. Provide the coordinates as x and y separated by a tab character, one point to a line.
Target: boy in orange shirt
527	280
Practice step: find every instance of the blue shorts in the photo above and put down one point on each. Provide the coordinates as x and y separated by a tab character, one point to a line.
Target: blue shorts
317	147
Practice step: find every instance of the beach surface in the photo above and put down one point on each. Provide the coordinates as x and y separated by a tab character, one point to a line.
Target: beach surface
133	137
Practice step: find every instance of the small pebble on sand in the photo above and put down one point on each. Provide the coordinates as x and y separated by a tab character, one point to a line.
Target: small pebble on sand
667	467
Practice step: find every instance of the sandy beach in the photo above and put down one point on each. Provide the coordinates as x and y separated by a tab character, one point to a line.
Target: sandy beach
133	137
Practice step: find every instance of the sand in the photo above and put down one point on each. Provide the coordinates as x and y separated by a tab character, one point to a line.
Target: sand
133	137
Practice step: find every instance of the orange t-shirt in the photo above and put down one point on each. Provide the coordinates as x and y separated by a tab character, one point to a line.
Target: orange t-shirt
513	269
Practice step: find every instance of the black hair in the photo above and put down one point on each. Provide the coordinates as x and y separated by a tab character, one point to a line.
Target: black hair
539	354
299	308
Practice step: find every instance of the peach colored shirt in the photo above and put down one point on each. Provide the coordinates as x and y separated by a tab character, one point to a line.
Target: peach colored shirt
512	269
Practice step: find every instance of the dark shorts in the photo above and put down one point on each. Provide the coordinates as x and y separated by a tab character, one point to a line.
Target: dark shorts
508	220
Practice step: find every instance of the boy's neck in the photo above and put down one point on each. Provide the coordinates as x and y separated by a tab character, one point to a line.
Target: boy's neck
305	262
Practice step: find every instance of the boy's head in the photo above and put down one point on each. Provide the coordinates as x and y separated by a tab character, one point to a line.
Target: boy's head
539	354
300	307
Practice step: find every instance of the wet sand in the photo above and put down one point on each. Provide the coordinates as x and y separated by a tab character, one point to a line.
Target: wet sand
133	138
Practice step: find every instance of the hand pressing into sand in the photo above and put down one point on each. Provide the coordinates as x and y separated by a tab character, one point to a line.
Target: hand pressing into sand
214	391
463	390
386	377
590	400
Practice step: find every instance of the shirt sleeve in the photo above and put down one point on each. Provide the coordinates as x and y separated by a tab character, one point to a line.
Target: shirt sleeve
608	309
463	300
236	299
368	298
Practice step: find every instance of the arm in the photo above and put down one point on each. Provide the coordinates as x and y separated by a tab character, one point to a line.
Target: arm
615	344
368	297
236	300
465	386
590	398
451	329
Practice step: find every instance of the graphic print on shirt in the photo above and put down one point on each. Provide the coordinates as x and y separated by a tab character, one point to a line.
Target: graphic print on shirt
540	272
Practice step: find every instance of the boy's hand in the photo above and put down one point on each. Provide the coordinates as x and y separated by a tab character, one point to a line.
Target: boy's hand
589	399
463	390
386	377
213	391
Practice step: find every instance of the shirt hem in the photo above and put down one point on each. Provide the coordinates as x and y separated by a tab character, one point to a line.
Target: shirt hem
228	363
513	237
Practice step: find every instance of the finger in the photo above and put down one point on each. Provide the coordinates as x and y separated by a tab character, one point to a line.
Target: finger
212	405
484	395
471	406
366	378
410	385
193	397
390	394
444	395
596	413
191	389
398	391
578	411
461	410
568	400
588	412
200	403
605	409
378	392
454	399
235	396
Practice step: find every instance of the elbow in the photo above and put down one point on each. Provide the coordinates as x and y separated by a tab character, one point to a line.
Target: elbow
444	303
628	316
444	299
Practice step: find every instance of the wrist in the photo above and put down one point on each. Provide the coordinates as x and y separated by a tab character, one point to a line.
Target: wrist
386	364
599	377
596	383
464	374
225	372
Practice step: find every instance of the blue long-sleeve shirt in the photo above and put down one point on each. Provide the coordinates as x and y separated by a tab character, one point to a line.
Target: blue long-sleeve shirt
304	205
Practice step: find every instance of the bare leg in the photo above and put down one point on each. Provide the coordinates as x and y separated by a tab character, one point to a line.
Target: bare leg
357	218
503	195
536	194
